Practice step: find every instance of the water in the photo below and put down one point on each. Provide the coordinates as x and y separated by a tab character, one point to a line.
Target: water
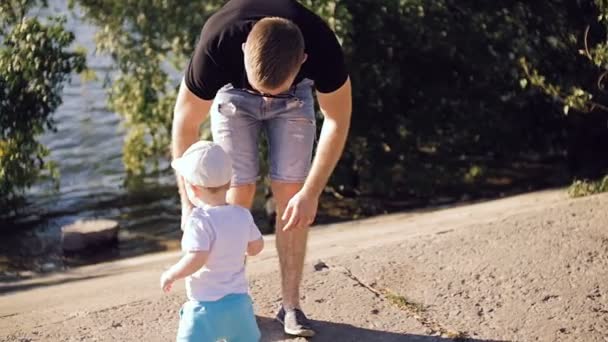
87	146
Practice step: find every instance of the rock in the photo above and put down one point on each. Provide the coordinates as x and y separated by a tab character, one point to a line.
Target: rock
84	234
48	267
320	265
26	274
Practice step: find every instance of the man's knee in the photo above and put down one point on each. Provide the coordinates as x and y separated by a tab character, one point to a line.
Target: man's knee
283	192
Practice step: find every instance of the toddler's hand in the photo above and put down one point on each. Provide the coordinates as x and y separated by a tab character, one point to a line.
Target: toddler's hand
166	282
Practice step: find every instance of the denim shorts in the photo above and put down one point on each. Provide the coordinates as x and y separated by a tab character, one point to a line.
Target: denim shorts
238	116
229	319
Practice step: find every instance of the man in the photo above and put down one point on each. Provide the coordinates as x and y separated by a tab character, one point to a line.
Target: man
253	69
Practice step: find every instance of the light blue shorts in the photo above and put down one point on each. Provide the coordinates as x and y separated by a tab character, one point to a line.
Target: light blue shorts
230	319
238	116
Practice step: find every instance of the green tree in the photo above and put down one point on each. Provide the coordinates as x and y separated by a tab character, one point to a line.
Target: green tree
149	41
581	93
436	90
35	61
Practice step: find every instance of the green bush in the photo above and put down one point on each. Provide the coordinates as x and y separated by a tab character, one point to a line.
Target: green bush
581	188
582	91
35	61
437	90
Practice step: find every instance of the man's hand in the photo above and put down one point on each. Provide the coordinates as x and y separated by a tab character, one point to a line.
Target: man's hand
166	281
301	210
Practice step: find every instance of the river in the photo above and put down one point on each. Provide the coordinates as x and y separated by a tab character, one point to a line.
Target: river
87	147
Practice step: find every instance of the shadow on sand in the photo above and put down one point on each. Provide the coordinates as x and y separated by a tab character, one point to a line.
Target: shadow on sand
334	332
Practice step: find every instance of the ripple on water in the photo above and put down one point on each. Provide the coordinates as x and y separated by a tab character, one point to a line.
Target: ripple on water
87	147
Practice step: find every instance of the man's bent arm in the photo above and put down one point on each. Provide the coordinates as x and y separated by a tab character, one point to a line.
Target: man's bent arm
337	109
189	113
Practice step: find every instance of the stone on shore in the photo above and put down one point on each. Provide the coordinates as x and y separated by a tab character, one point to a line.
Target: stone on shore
84	234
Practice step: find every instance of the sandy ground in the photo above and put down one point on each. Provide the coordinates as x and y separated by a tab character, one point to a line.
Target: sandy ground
526	268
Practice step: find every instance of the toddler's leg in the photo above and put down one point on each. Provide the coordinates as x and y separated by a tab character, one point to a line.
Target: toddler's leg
194	324
248	329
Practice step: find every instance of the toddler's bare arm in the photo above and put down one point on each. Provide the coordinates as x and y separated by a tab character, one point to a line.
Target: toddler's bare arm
255	247
189	263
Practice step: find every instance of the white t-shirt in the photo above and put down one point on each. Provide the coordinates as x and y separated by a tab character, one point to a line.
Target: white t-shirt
224	231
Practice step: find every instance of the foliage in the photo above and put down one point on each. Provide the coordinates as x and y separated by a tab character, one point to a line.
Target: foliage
575	98
436	89
437	84
150	42
597	55
35	61
581	188
582	89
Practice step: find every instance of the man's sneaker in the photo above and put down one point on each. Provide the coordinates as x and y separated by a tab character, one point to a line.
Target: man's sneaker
295	322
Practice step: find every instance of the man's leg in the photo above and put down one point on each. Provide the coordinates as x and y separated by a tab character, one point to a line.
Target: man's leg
234	126
291	246
241	195
291	132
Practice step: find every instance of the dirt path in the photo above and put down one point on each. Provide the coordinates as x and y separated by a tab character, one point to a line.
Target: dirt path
531	267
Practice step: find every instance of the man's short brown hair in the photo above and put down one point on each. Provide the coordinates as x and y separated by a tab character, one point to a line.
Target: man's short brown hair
275	47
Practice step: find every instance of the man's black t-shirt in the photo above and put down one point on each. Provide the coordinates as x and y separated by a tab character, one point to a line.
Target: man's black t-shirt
218	57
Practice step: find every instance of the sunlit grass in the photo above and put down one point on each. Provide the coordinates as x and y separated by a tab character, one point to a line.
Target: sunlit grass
581	188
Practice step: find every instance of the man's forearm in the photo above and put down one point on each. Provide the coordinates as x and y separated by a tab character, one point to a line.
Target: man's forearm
181	142
189	113
337	109
330	148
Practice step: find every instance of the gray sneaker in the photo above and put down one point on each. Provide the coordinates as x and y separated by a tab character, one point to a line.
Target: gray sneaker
295	322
